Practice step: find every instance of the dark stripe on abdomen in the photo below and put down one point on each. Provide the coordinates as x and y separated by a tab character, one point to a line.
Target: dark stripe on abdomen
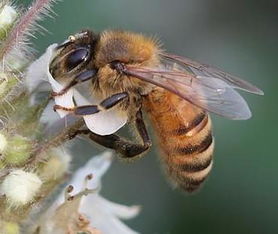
183	130
196	166
192	149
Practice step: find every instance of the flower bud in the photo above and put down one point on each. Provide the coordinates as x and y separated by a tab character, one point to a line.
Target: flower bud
3	83
17	150
7	81
57	165
8	16
3	143
9	228
2	165
20	187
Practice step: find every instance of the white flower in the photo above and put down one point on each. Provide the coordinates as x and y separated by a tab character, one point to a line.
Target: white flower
86	209
102	123
106	215
20	187
103	214
7	16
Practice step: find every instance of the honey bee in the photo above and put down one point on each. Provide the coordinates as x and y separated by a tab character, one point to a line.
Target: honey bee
126	73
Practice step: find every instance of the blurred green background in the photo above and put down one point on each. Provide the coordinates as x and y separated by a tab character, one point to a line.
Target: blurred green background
241	195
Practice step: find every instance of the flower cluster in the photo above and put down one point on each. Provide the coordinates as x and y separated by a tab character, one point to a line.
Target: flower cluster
34	162
86	210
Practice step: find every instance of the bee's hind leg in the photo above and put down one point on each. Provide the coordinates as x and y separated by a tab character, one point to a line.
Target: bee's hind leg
125	148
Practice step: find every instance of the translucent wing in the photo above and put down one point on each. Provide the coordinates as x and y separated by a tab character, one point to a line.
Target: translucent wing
209	71
212	93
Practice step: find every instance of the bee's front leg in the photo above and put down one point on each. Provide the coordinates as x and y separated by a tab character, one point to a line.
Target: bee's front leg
93	109
80	78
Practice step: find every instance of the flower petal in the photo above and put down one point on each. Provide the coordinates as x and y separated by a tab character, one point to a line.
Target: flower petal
65	100
97	166
121	211
99	213
103	122
38	73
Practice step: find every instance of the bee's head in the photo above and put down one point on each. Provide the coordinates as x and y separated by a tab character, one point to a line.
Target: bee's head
73	56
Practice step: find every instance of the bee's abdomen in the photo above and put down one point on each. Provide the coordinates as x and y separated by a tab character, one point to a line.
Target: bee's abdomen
185	137
190	160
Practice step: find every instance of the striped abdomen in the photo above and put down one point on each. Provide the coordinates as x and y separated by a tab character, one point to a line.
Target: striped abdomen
185	137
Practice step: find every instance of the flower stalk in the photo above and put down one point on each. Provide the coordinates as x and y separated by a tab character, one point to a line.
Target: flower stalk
25	26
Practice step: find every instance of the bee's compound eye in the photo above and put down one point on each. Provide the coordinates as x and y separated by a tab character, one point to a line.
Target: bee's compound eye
76	57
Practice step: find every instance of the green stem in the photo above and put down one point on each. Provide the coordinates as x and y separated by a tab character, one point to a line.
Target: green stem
40	154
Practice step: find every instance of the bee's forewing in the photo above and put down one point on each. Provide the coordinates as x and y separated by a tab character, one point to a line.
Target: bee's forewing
209	71
104	122
211	93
